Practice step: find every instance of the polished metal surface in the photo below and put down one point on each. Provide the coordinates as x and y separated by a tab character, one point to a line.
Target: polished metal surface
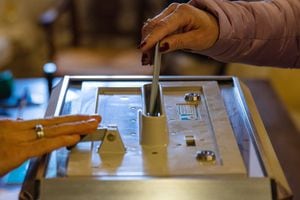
157	189
250	146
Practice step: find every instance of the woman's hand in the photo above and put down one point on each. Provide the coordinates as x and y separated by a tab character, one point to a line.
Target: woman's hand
180	26
19	139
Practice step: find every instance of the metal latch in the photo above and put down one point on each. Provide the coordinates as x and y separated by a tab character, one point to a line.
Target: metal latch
110	137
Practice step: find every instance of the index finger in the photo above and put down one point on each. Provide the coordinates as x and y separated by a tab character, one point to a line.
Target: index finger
166	26
46	145
149	25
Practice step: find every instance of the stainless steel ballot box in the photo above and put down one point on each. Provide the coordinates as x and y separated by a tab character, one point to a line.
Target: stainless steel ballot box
205	140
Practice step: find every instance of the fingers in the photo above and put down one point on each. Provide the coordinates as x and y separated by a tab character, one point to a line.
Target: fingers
165	26
182	26
46	145
12	155
20	141
54	121
189	41
59	126
70	128
151	23
166	23
178	41
81	127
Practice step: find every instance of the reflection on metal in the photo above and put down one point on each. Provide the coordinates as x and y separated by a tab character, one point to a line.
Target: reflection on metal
213	136
173	189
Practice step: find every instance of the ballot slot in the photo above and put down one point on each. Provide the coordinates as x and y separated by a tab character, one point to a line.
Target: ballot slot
157	105
153	128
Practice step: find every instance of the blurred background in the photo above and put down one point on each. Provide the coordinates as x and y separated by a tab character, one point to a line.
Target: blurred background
86	37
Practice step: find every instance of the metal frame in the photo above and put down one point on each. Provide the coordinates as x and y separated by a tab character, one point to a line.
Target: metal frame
38	166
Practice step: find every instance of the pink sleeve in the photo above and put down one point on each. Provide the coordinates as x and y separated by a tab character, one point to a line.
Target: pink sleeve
260	33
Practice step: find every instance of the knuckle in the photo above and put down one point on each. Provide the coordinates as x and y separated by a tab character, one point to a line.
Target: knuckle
183	7
177	44
148	26
69	140
173	5
162	23
145	28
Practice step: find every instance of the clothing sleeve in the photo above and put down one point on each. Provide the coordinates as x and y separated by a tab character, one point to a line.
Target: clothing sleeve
260	33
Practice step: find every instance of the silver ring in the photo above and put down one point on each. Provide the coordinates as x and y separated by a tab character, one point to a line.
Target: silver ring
39	130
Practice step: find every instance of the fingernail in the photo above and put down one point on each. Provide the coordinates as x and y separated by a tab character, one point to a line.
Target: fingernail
164	47
150	62
144	57
145	62
97	117
91	120
142	45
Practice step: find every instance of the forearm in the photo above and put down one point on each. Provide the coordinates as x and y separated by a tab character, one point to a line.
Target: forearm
260	33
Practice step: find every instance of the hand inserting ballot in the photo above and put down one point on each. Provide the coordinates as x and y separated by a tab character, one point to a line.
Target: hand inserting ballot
180	26
23	139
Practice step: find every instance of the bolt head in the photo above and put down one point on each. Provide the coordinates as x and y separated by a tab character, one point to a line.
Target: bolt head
192	97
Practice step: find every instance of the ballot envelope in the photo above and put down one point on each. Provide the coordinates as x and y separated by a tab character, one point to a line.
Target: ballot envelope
204	139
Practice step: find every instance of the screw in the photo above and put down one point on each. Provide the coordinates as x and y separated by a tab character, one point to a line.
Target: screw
111	137
192	97
205	156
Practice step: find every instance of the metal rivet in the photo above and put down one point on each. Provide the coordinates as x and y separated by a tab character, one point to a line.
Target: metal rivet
111	137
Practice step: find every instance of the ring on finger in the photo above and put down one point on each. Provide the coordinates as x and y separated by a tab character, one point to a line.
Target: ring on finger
39	130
